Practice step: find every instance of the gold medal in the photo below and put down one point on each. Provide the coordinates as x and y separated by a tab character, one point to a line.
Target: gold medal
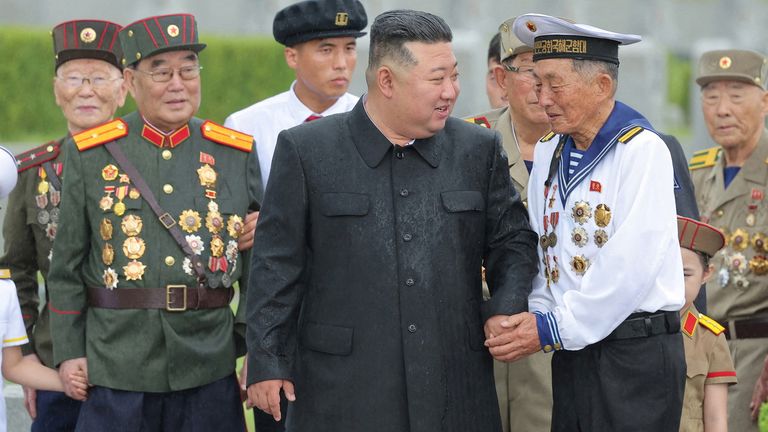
544	241
602	215
758	243
601	237
133	247
108	254
738	262
119	208
189	221
579	236
131	225
105	229
758	265
124	178
579	264
581	212
740	239
207	176
120	193
134	270
217	246
555	275
43	187
110	278
109	172
214	222
234	226
106	203
552	239
134	194
212	206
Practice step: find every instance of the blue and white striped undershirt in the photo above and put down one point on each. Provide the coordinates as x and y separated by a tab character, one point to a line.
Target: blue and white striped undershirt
574	160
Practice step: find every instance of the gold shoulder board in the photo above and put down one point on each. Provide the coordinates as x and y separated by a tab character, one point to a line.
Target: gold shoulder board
481	121
102	134
5	273
711	324
37	156
226	136
631	134
547	137
704	158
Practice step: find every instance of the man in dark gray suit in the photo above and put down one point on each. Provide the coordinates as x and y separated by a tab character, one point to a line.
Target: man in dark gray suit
366	309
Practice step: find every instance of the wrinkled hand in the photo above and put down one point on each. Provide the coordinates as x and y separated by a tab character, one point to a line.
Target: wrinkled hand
512	338
760	393
30	394
245	240
69	371
265	395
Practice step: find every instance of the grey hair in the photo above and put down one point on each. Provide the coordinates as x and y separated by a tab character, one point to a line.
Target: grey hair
588	69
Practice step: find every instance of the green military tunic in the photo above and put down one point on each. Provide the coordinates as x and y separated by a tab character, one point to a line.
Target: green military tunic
523	387
113	240
708	362
30	225
739	289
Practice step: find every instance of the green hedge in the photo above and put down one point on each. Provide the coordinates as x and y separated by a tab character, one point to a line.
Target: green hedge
238	71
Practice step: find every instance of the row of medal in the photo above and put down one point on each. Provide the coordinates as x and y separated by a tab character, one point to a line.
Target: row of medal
47	194
740	240
223	257
581	212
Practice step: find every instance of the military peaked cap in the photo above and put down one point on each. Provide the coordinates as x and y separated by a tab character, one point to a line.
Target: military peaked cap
92	39
159	34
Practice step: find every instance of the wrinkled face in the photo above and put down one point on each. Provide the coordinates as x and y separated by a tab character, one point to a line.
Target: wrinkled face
496	96
424	94
521	90
171	104
568	99
88	91
695	274
323	66
734	112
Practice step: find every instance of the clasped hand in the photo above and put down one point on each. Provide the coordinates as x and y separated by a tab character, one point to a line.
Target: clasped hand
512	337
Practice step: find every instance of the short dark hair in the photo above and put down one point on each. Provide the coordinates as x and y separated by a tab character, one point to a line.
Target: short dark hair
392	29
494	48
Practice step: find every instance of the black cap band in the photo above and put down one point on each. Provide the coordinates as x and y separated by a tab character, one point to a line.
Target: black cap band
576	47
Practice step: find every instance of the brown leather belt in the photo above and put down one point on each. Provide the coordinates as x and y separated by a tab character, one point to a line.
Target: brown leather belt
750	328
173	298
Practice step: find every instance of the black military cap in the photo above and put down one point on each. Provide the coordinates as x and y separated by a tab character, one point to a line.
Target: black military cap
94	39
318	19
158	34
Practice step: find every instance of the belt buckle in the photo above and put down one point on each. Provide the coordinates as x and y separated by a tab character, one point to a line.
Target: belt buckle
167	220
169	291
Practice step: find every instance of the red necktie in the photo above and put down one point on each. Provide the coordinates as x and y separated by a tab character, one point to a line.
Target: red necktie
312	117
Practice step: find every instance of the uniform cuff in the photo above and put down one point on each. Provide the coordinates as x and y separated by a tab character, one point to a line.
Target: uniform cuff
549	335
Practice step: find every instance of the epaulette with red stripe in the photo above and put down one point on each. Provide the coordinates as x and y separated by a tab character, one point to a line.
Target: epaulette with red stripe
226	136
101	134
37	156
480	121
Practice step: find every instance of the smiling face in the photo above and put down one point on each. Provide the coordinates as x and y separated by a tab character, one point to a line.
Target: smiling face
520	86
86	104
423	95
166	105
734	112
323	70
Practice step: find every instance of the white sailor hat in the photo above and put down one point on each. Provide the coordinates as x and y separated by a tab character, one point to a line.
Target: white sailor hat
553	37
8	173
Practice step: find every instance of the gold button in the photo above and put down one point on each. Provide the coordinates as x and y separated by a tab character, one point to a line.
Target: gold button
120	126
168	189
167	155
720	213
558	346
547	348
49	149
169	261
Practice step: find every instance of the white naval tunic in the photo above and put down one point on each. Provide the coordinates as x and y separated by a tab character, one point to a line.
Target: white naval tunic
267	118
638	269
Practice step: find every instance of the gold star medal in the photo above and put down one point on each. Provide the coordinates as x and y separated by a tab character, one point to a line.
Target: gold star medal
131	225
189	221
602	215
110	278
109	172
108	254
740	239
217	246
43	186
134	270
214	222
579	264
120	193
234	226
133	247
207	176
581	212
105	229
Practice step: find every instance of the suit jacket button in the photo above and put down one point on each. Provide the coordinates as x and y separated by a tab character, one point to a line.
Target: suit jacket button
412	328
410	282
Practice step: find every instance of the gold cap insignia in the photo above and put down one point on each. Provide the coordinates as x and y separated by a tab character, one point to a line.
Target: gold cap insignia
88	35
173	30
725	62
342	19
531	26
504	28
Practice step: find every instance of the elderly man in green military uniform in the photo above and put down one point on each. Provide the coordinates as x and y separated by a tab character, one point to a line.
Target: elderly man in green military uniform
88	87
523	387
730	182
142	276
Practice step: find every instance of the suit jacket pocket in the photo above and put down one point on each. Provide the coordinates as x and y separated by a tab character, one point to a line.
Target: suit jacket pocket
344	204
329	339
462	201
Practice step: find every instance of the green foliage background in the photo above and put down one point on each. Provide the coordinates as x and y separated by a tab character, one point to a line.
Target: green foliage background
237	72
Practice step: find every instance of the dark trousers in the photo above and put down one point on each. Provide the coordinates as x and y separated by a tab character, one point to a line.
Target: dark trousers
620	385
265	423
212	407
56	412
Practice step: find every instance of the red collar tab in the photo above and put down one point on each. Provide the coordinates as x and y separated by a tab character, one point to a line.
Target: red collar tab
162	140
